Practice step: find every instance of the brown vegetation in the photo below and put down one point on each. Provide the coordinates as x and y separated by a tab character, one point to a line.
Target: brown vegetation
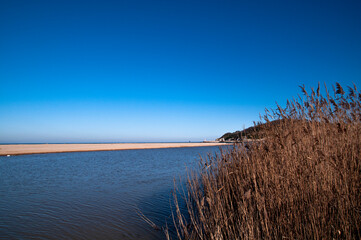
254	132
303	181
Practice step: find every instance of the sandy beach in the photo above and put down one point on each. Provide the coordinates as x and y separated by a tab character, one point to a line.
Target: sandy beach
19	149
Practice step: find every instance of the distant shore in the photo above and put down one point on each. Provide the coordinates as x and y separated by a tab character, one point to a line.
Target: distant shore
20	149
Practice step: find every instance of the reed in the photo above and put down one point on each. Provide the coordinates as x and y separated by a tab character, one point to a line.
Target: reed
302	181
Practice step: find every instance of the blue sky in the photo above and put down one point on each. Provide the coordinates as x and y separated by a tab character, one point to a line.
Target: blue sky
134	71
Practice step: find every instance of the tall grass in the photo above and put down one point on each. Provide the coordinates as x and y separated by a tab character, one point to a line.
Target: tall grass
302	181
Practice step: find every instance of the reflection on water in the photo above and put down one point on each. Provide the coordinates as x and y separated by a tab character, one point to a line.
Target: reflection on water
90	195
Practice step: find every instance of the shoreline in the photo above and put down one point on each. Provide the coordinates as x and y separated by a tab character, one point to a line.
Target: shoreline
23	149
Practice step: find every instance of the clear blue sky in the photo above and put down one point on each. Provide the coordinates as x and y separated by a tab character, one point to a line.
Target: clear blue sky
104	71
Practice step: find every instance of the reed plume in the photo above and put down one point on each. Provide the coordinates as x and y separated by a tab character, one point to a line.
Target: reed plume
301	181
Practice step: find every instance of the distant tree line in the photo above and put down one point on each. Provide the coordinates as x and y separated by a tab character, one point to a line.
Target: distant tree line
255	132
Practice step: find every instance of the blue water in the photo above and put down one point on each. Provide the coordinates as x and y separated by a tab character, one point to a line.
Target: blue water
91	195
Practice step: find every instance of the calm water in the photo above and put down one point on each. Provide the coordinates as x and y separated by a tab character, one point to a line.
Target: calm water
90	195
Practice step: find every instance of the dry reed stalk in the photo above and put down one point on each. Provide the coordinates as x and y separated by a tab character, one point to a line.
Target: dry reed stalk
302	181
147	220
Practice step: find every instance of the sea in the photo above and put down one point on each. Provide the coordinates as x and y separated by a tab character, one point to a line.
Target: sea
93	195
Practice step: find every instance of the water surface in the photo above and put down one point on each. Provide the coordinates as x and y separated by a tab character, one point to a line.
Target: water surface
90	195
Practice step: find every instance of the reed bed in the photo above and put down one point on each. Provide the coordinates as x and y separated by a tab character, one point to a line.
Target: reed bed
301	181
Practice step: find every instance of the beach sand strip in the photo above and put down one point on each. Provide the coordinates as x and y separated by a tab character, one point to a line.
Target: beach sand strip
19	149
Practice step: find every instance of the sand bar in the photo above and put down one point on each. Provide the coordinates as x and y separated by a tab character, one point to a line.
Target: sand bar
19	149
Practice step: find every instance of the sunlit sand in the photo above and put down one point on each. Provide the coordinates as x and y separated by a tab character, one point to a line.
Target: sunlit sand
18	149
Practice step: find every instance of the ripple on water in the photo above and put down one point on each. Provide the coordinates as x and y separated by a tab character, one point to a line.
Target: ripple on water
90	195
